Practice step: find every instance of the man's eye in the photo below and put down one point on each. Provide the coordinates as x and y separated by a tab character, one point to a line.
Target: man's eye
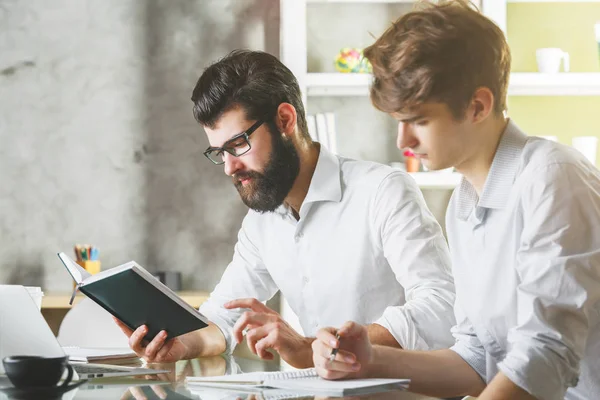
238	143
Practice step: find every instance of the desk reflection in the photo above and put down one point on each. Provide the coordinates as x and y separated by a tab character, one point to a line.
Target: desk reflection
172	385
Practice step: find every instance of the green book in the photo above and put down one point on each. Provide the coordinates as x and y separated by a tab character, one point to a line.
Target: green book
135	297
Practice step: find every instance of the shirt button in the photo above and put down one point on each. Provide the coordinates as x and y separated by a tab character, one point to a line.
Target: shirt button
306	280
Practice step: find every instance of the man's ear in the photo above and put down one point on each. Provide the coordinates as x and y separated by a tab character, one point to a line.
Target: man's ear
286	119
482	104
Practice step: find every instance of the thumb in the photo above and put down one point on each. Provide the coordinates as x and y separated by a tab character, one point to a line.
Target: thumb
352	329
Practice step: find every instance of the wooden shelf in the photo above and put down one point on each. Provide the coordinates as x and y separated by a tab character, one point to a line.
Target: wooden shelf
61	300
521	84
436	180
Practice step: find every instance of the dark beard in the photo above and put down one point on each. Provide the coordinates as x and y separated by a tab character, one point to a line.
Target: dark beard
266	191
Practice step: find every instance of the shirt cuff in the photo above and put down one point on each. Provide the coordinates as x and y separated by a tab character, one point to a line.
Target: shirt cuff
473	357
402	329
544	378
226	328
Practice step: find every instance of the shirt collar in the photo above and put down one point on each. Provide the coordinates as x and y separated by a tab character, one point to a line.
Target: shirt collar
325	184
500	178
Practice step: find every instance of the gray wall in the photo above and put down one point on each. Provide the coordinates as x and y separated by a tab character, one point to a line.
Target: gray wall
97	140
98	143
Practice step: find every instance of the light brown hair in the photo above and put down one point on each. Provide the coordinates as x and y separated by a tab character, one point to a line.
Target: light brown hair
439	52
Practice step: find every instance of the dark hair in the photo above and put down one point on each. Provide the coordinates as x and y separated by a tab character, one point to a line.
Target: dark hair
253	80
441	52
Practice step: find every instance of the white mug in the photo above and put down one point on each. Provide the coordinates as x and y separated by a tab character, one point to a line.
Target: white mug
587	145
549	58
597	32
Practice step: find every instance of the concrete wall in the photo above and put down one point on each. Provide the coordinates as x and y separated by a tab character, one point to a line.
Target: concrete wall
97	140
98	143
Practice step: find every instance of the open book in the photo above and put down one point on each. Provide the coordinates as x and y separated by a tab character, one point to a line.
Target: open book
134	296
305	380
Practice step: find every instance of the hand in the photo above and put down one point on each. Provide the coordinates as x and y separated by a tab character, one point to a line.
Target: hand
354	355
265	329
158	350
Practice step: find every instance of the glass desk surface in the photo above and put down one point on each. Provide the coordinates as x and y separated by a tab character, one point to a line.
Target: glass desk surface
173	386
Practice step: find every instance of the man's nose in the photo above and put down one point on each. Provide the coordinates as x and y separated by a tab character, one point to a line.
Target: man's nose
406	137
232	164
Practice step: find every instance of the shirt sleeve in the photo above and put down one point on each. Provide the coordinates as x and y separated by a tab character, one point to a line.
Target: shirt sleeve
467	345
558	264
245	277
416	250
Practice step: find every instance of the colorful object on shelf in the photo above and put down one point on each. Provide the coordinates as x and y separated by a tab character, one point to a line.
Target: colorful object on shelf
87	257
412	163
352	60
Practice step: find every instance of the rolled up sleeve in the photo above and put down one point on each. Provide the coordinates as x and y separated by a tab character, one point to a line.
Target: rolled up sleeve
467	345
245	277
558	264
416	250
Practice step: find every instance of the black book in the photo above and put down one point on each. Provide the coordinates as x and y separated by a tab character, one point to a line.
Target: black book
134	296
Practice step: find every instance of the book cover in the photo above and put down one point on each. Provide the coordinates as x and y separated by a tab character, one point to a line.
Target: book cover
134	296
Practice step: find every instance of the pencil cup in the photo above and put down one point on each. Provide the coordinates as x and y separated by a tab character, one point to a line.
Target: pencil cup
93	267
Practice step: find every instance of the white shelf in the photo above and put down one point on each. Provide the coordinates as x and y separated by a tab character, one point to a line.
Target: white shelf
436	180
361	1
521	84
561	84
338	84
554	1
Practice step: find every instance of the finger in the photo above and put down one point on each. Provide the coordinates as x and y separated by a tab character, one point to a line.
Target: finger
250	318
268	342
327	335
336	365
154	346
250	303
256	334
137	393
163	353
159	391
136	338
126	395
126	330
322	357
351	329
329	374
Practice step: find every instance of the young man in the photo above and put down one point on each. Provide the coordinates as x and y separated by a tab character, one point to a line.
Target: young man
341	239
522	226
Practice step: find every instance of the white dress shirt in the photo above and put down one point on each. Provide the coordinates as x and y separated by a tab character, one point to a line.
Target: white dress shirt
365	248
526	263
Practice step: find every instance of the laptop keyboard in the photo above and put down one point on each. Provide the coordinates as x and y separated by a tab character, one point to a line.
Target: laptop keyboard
96	370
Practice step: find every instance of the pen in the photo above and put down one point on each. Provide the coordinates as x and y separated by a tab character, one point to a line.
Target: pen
334	351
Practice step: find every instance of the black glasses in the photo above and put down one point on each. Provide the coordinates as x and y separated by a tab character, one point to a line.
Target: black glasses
236	146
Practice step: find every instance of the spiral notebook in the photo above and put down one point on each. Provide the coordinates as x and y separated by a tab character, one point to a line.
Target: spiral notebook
305	380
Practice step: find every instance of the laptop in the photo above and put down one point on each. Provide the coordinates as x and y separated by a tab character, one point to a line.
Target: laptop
24	331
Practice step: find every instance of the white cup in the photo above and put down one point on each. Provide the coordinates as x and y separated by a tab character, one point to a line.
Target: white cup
36	294
587	145
597	32
549	58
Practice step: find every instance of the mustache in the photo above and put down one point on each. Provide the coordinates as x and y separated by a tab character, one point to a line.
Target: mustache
240	176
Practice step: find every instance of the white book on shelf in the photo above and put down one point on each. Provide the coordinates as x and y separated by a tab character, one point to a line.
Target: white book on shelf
331	132
311	124
322	130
